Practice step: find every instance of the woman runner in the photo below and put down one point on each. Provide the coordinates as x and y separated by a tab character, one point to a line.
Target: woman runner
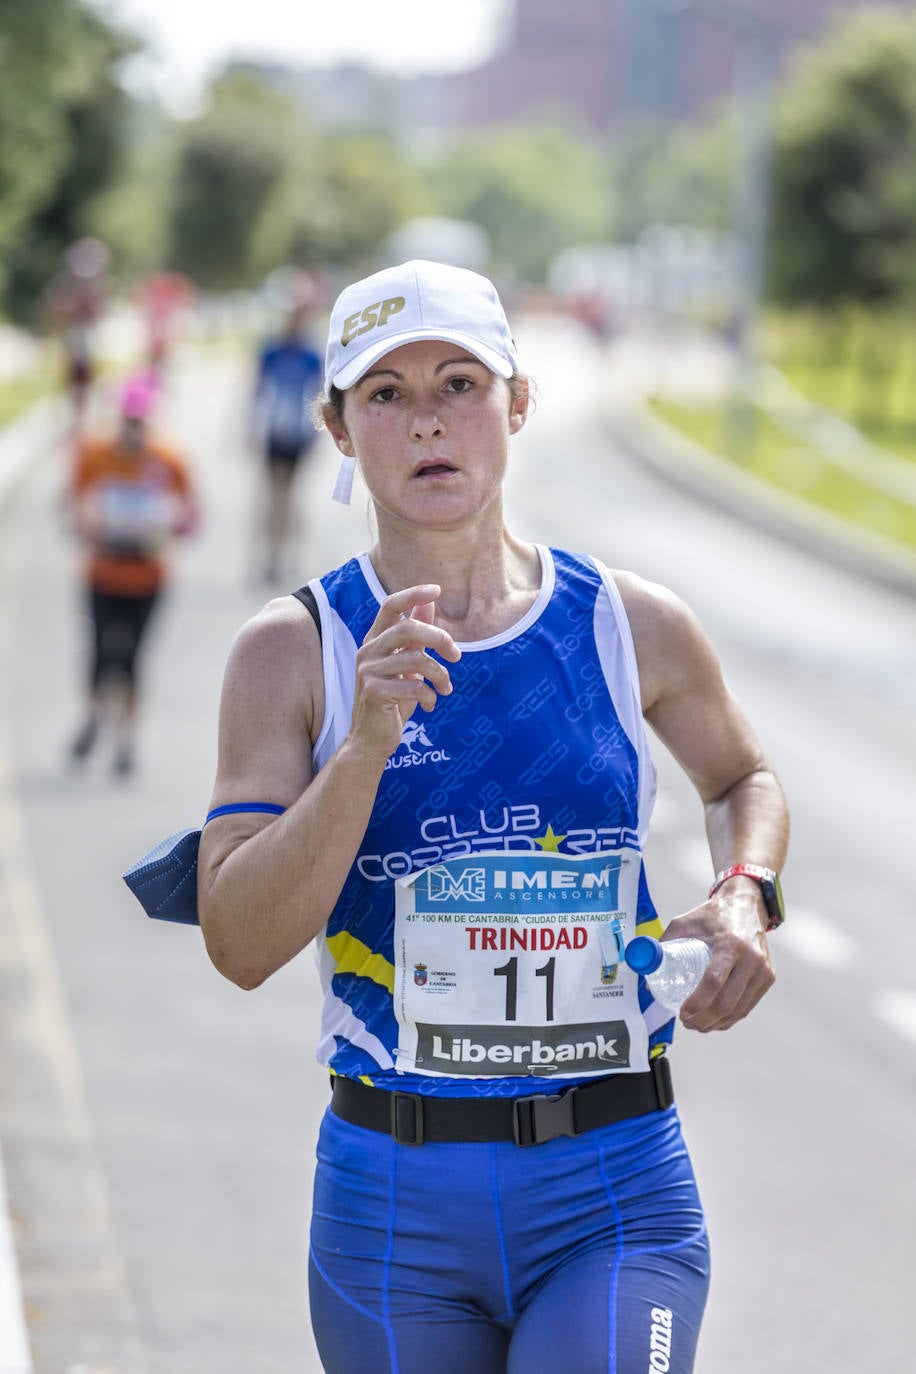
446	738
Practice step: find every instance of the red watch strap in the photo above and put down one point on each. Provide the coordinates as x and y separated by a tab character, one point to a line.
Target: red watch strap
769	883
736	871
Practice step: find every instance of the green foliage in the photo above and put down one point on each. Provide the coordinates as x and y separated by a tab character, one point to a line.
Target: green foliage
130	213
90	116
254	182
795	468
61	108
258	186
17	396
859	363
665	175
534	189
844	201
230	160
35	81
341	196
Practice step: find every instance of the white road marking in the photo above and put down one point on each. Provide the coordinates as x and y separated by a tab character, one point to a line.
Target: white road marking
897	1009
816	940
15	1357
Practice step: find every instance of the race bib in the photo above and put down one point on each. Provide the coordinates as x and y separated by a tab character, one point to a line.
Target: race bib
512	964
132	516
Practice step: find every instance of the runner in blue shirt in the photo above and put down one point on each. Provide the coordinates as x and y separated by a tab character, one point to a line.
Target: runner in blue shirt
288	379
446	740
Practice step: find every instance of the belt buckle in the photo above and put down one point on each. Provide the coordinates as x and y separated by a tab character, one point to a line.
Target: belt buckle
541	1118
398	1117
661	1072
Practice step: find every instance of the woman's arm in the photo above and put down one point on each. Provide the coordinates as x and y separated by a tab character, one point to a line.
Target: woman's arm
266	886
690	708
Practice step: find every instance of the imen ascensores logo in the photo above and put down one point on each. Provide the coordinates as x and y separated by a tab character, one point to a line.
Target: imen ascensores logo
508	883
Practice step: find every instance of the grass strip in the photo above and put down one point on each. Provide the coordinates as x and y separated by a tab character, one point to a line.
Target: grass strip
16	396
859	364
746	437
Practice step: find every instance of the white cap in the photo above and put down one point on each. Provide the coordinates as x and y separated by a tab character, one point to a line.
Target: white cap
417	300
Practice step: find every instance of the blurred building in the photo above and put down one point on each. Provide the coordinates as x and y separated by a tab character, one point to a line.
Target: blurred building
596	62
588	63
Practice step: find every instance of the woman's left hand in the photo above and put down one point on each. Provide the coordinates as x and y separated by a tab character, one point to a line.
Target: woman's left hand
740	970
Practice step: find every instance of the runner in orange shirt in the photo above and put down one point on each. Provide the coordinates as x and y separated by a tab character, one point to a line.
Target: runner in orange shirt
130	496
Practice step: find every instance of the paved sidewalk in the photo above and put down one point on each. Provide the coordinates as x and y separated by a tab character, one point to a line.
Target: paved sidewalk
20	443
23	443
25	440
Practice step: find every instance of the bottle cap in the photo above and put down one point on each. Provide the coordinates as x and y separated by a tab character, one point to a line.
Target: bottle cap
643	955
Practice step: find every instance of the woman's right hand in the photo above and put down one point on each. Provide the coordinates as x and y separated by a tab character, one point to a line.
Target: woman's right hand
394	670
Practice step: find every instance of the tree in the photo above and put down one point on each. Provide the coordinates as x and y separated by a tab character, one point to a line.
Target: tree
533	189
259	186
92	115
33	60
231	158
844	196
131	213
359	189
61	114
665	175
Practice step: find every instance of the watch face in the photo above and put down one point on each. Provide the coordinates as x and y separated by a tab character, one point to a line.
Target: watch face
772	896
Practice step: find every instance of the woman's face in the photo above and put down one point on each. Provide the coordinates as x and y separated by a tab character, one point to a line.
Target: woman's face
430	427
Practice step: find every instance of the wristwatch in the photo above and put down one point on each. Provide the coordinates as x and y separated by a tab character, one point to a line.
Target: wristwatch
769	886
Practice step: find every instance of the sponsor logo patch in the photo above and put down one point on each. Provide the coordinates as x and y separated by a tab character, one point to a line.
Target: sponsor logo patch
523	1049
415	747
660	1340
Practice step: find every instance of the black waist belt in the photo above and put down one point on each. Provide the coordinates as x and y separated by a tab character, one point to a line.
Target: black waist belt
412	1119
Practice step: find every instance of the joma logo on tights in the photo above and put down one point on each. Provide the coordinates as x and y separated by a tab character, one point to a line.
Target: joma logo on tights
660	1340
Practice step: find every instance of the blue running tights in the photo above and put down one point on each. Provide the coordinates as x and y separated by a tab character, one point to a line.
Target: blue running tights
577	1256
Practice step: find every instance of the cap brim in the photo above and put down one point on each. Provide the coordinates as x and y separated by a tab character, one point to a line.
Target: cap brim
348	375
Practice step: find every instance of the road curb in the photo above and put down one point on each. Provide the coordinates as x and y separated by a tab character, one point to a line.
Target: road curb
15	1357
687	465
23	442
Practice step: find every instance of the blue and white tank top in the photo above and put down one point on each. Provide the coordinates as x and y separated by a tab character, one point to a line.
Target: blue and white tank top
476	947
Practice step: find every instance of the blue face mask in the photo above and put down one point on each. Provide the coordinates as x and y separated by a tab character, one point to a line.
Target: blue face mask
164	881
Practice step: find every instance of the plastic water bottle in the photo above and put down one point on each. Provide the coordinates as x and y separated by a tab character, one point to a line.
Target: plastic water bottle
671	969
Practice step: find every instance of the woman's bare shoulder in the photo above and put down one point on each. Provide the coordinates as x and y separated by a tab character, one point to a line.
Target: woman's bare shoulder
275	660
281	628
646	603
670	643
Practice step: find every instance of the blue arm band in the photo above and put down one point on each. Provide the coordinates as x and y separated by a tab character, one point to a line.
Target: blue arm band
233	807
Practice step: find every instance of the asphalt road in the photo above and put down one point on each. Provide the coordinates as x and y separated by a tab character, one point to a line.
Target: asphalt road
157	1124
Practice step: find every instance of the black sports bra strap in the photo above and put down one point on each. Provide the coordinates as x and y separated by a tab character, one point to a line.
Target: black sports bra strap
307	597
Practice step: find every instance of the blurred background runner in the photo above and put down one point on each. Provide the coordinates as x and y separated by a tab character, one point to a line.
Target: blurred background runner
130	495
74	303
163	299
289	376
